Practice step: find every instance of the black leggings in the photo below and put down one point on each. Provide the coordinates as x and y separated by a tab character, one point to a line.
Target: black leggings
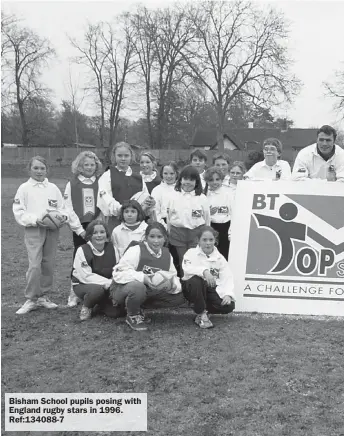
197	291
223	242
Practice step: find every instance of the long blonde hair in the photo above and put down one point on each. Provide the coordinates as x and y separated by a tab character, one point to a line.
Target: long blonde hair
80	159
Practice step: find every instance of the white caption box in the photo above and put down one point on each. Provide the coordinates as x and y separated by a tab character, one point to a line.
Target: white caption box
76	412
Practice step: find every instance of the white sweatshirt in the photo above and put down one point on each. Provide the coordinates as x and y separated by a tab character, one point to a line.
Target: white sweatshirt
161	194
34	199
262	171
185	209
123	235
195	262
125	271
315	166
83	272
223	200
105	201
74	221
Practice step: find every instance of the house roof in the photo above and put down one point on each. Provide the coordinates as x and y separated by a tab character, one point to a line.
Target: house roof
291	139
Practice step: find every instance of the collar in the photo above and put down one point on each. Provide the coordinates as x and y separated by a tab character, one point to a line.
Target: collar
328	157
129	171
152	252
124	226
148	177
216	192
34	182
213	256
268	166
85	179
193	193
95	251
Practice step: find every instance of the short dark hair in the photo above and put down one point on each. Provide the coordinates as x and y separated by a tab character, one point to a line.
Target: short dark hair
200	154
171	164
91	226
158	226
204	229
40	159
208	175
135	205
222	156
328	130
191	173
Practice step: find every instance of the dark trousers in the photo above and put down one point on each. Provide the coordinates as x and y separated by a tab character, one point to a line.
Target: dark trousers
223	243
92	295
161	299
197	292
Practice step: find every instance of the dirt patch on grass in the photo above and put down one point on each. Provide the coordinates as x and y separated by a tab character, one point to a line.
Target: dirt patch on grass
252	375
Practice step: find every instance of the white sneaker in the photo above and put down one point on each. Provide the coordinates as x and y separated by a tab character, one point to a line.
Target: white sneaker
73	299
27	307
85	313
45	302
203	321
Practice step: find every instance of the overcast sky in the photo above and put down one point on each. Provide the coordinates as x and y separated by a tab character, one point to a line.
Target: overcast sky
316	45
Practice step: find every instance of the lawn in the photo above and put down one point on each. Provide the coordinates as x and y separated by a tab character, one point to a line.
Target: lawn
252	375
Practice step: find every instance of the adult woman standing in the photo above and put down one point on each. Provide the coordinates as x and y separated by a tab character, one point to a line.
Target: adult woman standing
119	183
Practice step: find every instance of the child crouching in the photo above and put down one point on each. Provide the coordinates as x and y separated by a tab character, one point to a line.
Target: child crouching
132	277
207	280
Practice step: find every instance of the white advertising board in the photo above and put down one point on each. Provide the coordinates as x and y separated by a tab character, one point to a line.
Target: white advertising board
287	247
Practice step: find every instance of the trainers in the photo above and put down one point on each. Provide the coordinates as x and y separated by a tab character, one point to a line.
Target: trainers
73	300
45	302
136	322
85	313
146	318
203	321
28	306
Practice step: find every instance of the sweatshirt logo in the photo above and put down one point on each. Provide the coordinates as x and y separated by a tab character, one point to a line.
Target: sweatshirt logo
223	210
65	196
16	201
215	272
89	201
149	270
196	213
52	203
101	193
84	264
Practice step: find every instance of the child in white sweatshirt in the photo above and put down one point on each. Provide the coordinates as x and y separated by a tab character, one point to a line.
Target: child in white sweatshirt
132	227
32	201
162	192
208	281
132	286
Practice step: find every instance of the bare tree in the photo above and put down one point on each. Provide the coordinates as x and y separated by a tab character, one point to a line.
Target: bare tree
93	55
26	55
336	91
238	50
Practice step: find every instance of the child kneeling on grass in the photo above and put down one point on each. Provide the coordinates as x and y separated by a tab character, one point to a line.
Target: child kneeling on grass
92	271
132	277
207	280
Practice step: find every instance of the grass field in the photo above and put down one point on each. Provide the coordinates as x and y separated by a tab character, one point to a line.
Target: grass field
252	375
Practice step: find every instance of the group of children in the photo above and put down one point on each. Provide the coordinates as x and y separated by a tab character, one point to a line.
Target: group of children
128	225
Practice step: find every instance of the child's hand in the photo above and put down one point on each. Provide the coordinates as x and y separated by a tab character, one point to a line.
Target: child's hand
149	202
209	278
41	224
82	235
147	281
227	299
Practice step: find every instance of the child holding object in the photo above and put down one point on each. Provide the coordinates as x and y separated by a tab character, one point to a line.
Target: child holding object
220	200
80	199
134	273
132	227
208	280
92	271
32	201
188	210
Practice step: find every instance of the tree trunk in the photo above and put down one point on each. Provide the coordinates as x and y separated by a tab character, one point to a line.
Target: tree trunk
220	128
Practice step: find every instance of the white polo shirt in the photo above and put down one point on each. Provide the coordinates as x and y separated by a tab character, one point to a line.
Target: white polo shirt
315	166
262	171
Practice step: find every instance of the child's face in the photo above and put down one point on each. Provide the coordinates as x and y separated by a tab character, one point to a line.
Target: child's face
155	240
122	158
198	163
89	167
130	215
99	235
169	175
222	164
207	242
146	165
38	170
270	154
235	174
187	185
215	182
